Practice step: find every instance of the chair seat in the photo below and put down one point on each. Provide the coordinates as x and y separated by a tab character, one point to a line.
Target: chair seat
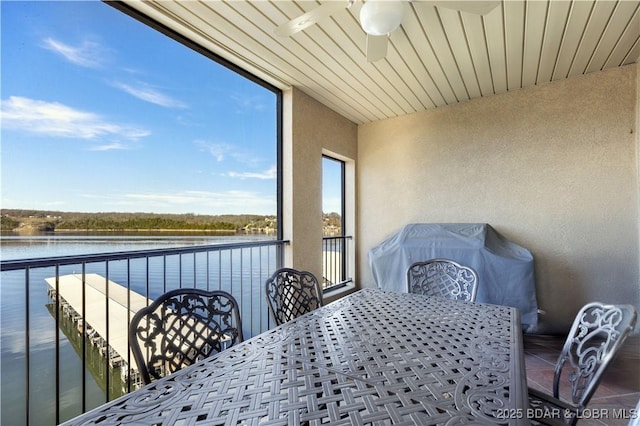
544	409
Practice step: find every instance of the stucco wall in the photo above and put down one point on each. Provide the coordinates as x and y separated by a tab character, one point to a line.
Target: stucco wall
637	133
309	130
553	168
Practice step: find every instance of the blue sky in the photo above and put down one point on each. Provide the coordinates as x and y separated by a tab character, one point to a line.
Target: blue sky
102	113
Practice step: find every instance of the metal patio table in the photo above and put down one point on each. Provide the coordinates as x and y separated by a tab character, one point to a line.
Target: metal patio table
373	357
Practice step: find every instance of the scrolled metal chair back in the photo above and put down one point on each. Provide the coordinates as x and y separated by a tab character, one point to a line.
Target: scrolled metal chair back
182	327
292	293
443	278
597	333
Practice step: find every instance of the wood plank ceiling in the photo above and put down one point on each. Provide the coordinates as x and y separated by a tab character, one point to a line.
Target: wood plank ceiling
437	57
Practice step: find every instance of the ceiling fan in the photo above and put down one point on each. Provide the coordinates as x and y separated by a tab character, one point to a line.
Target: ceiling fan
378	18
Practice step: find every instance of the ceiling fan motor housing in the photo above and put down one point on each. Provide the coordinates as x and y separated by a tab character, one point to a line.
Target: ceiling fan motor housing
380	17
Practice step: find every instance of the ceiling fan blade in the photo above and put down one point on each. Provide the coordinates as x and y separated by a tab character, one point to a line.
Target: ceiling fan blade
479	7
313	16
376	47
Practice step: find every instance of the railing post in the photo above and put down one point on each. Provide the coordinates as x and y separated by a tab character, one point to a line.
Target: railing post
107	343
57	333
84	337
27	327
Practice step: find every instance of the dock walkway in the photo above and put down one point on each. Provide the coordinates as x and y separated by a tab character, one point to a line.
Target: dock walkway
123	304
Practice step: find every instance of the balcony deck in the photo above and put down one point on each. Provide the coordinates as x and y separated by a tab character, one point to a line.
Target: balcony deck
619	388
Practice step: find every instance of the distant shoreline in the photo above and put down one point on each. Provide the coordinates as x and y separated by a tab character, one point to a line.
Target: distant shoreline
29	222
195	232
61	231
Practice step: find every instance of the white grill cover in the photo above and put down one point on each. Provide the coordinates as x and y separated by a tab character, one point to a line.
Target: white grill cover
505	269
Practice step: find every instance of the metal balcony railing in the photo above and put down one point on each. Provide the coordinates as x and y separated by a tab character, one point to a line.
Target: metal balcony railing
56	364
335	260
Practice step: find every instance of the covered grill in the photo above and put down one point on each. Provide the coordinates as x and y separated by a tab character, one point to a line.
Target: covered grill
505	269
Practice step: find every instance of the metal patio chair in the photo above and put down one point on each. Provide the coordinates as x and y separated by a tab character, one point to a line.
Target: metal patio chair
292	293
597	333
182	327
443	278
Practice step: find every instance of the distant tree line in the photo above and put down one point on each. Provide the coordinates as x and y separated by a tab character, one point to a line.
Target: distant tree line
8	223
51	220
332	219
156	223
57	220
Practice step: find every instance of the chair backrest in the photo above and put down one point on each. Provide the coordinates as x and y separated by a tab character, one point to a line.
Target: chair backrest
597	333
292	293
181	327
443	278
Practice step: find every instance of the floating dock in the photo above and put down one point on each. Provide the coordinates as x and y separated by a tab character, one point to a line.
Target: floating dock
122	306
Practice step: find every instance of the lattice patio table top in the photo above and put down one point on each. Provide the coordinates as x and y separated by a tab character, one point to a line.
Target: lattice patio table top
373	357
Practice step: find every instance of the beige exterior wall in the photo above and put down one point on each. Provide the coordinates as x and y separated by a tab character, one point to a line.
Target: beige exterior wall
310	130
553	168
637	133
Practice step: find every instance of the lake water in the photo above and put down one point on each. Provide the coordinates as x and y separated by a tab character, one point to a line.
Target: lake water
65	244
41	321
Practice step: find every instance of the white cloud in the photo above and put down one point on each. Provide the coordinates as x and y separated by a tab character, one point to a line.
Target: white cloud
58	120
267	174
248	103
109	147
149	94
218	150
28	202
205	201
185	197
89	54
222	150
